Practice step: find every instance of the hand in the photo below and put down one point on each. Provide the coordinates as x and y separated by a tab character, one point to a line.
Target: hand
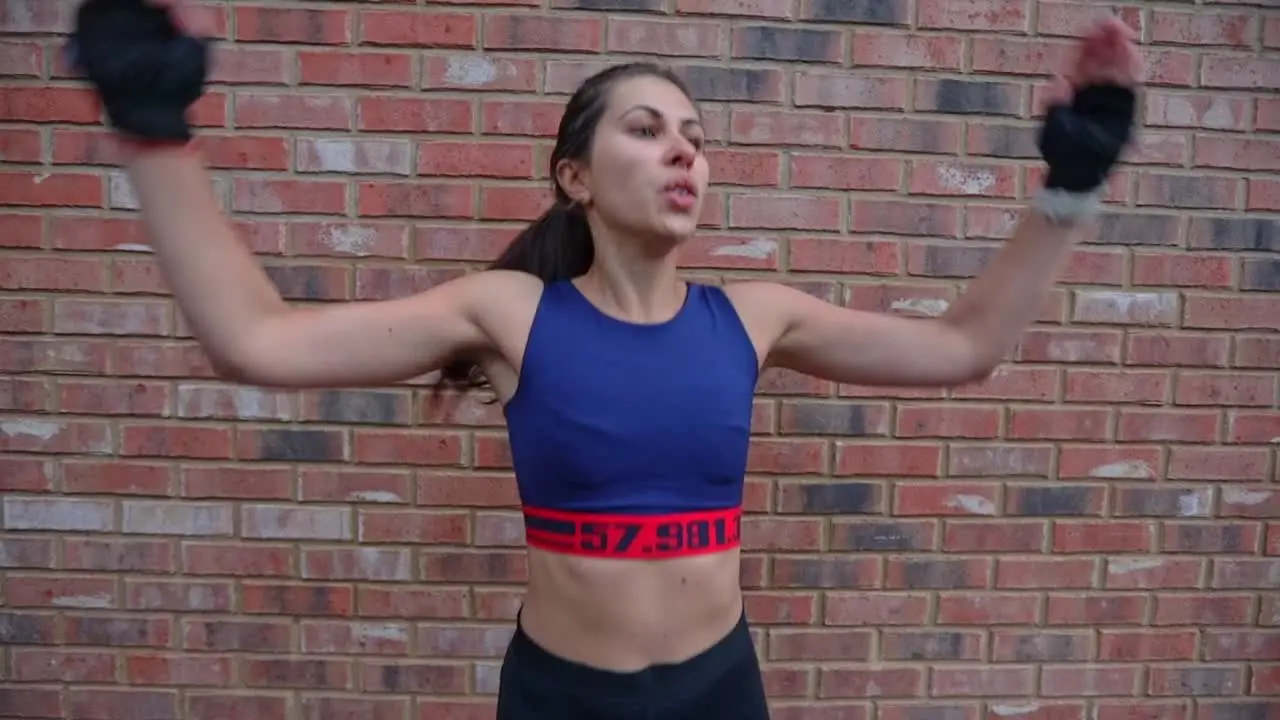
1092	107
146	69
1106	55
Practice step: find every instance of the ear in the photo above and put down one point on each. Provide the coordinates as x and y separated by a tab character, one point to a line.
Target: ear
574	178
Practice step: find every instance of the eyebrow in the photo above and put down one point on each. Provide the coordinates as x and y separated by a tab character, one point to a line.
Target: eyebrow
687	122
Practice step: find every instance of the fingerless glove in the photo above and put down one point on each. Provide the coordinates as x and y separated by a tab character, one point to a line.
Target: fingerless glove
146	70
1083	140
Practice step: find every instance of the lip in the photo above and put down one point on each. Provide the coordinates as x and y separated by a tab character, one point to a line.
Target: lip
681	184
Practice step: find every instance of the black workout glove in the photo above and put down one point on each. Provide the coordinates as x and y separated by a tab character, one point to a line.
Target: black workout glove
1081	141
145	69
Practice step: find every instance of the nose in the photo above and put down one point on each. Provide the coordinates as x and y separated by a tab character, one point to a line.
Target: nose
682	152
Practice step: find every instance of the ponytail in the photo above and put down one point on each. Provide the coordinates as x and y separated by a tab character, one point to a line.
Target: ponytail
556	246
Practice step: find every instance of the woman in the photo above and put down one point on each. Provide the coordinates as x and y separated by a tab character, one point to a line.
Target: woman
627	391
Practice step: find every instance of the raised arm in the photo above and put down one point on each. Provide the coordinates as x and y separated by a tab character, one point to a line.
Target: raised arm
964	344
148	72
1088	125
248	331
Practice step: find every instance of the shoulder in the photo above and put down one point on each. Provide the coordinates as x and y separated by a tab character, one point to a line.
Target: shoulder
767	302
487	292
768	310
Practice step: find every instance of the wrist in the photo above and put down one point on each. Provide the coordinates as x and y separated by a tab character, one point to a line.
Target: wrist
1066	208
138	147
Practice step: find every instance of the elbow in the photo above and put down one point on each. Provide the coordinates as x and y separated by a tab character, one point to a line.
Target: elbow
234	367
243	360
978	371
978	358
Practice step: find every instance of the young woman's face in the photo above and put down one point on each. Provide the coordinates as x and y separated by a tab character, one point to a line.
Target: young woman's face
647	175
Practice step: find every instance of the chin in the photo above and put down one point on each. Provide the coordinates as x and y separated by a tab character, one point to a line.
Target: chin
680	228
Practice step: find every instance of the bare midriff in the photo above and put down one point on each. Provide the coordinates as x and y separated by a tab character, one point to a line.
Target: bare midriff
624	614
622	591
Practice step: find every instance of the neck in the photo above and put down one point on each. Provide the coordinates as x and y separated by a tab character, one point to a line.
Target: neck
634	281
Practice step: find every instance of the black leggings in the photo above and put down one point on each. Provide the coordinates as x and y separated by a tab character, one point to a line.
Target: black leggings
721	683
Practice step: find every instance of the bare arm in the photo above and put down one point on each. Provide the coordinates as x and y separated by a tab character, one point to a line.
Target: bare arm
965	344
1088	122
247	330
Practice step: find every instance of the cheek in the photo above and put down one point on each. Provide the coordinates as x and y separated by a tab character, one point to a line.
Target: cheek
621	183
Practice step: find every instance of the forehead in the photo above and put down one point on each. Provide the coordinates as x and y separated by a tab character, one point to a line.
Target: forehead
651	92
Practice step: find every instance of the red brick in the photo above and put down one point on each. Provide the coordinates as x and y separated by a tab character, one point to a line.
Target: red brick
1255	154
537	32
663	37
463	72
367	69
850	91
773	127
312	111
254	195
1211	111
1263	194
869	257
1239	72
1007	56
1062	17
961	179
293	25
248	65
417	29
1231	313
896	49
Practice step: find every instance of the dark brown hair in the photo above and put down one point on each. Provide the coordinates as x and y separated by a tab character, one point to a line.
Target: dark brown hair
558	245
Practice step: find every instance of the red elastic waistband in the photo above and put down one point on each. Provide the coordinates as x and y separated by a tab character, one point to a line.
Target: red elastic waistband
634	536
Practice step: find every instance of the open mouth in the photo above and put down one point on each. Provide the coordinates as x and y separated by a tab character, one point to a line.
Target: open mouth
681	189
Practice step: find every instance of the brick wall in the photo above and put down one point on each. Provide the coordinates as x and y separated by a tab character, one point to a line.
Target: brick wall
1093	533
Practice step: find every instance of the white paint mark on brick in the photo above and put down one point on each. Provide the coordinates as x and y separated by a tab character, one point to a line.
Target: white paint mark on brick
1014	710
975	504
101	600
355	156
375	496
470	70
120	192
758	249
1124	566
375	564
1240	496
970	181
1131	469
335	155
31	428
1072	350
1110	306
349	239
932	307
368	631
1194	504
1218	115
133	247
